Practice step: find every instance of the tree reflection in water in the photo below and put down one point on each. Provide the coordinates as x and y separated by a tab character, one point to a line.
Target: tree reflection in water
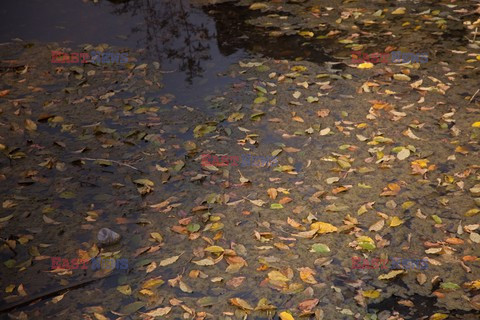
174	36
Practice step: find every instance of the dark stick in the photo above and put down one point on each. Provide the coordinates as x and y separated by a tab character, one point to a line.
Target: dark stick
48	294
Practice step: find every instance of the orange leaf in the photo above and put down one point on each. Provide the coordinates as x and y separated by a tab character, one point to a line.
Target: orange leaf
272	193
454	241
285	200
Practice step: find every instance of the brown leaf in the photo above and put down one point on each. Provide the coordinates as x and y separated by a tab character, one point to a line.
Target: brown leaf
272	193
285	200
308	305
322	113
240	303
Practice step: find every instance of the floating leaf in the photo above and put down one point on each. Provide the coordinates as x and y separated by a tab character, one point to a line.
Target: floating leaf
320	248
258	6
401	77
372	294
260	100
126	289
284	315
449	286
396	221
437	219
400	10
169	261
365	65
276	206
323	227
240	303
392	274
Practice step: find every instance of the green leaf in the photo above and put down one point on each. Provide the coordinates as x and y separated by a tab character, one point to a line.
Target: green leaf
256	116
132	307
193	227
320	248
259	100
202	130
67	195
276	206
437	219
261	89
367	246
449	286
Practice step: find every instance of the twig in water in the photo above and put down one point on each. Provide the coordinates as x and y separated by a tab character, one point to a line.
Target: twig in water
471	99
114	161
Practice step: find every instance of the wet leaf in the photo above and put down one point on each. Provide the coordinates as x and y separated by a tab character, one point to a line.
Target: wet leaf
449	286
125	289
169	261
400	10
365	65
372	294
390	275
284	315
159	312
240	303
320	248
276	206
258	6
132	307
30	125
396	221
323	227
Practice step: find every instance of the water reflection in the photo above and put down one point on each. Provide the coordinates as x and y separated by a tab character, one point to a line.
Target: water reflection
173	33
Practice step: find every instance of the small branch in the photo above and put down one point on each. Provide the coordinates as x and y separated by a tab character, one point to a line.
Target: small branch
471	99
114	161
49	294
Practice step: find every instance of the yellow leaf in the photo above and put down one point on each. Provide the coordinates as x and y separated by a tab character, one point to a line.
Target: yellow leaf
30	125
365	239
396	221
155	282
365	65
214	249
476	124
421	162
439	316
9	288
400	10
157	236
277	276
401	77
473	285
392	274
258	6
306	34
126	289
169	261
147	292
284	315
372	294
99	316
306	274
323	227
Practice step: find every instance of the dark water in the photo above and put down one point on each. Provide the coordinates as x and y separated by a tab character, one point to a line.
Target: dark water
194	45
